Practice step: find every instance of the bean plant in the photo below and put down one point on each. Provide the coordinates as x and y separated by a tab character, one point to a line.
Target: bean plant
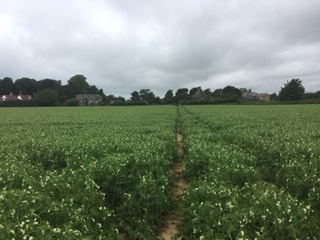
253	172
85	172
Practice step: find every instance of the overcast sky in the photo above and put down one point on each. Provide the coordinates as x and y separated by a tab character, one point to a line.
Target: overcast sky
122	45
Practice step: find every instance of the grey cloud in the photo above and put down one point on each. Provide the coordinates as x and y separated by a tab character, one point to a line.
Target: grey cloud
123	46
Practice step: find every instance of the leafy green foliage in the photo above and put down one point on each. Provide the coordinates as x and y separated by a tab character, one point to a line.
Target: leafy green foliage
253	172
26	86
292	90
182	94
168	97
72	102
105	173
47	97
85	173
6	86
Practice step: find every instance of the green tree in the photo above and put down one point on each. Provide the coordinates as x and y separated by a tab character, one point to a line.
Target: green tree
293	90
109	98
312	95
104	97
6	86
208	91
231	91
193	91
147	95
72	102
117	100
274	96
47	97
48	83
144	94
76	85
92	89
168	97
217	93
227	94
135	96
26	86
181	94
151	98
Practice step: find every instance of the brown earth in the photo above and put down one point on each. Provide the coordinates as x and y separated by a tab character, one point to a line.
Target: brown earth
172	219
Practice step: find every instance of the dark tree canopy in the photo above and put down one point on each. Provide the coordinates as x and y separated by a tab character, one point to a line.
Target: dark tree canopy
228	94
293	90
135	96
181	94
193	91
48	83
144	94
207	91
6	86
168	97
274	96
92	90
26	86
229	91
151	98
310	95
76	85
217	93
47	97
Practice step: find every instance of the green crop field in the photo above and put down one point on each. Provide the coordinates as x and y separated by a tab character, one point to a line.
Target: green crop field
253	172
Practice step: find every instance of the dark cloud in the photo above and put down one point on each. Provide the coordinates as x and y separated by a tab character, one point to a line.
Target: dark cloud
122	46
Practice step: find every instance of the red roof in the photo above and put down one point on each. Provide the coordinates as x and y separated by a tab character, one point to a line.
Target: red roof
15	97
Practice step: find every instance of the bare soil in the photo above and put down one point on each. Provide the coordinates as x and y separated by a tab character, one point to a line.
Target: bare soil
172	219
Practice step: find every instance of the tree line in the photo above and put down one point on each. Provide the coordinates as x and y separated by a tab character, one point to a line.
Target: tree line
292	90
49	92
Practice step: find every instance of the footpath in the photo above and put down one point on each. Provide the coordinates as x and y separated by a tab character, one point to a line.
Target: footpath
172	219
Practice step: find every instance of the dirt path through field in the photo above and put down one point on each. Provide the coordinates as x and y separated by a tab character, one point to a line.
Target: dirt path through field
172	219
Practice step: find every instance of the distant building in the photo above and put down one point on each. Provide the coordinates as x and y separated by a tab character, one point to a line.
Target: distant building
254	96
201	95
12	97
264	97
89	99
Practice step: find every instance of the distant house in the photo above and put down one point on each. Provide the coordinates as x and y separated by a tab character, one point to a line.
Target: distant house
89	99
264	97
201	95
254	96
12	97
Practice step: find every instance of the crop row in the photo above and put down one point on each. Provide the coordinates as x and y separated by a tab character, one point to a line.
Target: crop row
85	173
253	172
